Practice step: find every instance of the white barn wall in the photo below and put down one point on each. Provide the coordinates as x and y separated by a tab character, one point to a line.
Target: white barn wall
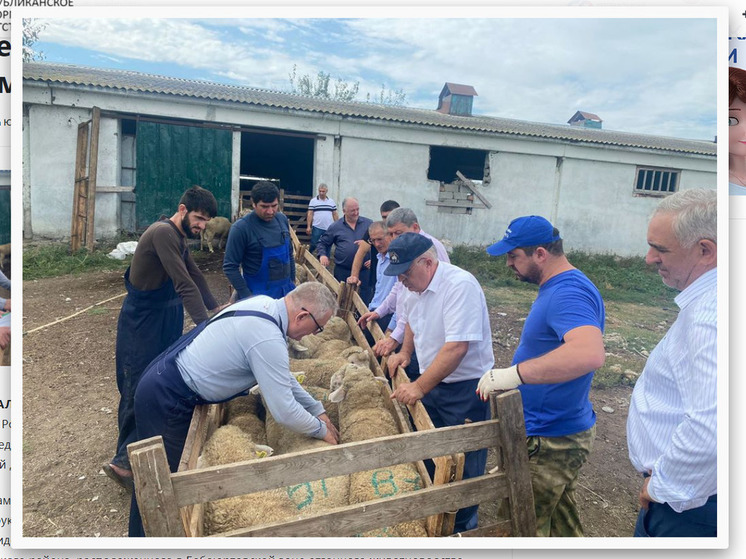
374	161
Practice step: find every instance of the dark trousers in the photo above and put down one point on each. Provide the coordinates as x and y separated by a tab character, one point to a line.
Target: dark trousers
148	323
451	404
341	273
661	521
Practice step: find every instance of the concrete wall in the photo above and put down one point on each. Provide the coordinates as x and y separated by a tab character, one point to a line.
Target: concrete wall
586	191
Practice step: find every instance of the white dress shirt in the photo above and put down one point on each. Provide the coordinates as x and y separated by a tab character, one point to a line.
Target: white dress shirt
672	423
452	309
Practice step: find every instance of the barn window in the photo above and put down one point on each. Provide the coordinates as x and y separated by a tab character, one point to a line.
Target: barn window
655	181
445	161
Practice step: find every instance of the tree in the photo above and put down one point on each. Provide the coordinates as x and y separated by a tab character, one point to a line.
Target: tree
394	97
31	30
319	86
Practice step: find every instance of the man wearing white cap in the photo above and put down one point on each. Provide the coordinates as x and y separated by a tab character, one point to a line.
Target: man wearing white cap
561	346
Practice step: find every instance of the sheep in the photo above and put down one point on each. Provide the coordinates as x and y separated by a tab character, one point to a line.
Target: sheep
319	371
335	337
227	445
362	416
216	227
252	426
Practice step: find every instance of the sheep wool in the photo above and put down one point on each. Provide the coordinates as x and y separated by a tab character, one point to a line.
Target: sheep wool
252	426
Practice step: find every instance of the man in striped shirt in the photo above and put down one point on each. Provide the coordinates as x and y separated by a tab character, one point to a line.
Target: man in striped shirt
672	423
322	212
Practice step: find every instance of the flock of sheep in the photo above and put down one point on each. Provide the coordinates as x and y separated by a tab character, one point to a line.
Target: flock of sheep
336	373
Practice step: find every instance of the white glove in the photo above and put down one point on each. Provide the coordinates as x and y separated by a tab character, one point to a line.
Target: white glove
498	379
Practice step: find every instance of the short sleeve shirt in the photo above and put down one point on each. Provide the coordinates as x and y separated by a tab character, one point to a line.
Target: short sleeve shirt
322	212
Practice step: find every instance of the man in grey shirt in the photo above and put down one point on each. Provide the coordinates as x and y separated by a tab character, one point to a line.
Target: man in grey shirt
242	346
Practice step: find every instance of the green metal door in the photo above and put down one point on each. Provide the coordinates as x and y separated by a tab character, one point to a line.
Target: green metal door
171	158
4	215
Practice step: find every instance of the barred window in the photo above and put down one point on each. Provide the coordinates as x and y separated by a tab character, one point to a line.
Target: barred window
656	181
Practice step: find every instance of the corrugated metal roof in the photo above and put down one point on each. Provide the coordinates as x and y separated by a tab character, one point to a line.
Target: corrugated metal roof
124	80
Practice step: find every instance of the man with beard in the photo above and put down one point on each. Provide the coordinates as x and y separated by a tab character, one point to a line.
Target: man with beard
258	255
161	280
560	347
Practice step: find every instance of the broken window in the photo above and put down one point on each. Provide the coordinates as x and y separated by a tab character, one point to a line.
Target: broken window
445	161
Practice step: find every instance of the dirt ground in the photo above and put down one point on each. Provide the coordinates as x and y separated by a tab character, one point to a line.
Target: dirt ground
70	403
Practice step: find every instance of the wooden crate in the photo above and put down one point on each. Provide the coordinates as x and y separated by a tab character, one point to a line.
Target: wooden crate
161	494
172	504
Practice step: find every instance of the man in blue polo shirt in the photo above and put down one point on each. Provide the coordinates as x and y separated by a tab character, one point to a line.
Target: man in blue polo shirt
561	346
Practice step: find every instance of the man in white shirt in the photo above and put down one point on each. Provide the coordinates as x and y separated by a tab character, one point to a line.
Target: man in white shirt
322	212
449	326
672	423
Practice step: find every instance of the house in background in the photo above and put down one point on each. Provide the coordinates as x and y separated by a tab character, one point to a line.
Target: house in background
586	120
159	135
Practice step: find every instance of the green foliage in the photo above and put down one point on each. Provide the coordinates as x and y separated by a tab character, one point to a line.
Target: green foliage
320	86
31	30
52	260
392	97
618	279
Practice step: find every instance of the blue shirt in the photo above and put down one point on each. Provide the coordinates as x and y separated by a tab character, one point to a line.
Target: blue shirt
564	302
344	237
383	283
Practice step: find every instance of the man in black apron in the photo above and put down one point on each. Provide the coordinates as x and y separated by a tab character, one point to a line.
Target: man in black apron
161	280
258	255
218	360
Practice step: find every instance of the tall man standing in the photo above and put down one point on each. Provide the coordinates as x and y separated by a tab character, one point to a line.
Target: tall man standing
343	233
322	212
259	244
161	280
672	422
561	346
449	327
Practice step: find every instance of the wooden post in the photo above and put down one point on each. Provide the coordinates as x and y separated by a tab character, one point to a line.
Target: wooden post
153	489
513	442
91	184
346	293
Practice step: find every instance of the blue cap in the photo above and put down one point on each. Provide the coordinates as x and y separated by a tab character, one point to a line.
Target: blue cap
404	250
526	231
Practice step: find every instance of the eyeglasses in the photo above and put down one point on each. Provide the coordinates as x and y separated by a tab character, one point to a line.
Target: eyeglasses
319	326
408	272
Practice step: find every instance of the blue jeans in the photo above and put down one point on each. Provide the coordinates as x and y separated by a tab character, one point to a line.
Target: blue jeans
661	521
315	236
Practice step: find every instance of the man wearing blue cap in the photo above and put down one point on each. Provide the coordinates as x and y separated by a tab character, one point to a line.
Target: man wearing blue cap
449	327
561	346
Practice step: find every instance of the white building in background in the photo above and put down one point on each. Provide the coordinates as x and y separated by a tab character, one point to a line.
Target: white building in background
159	135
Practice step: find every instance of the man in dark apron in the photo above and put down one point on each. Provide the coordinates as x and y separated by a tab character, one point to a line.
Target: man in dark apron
161	280
258	255
218	360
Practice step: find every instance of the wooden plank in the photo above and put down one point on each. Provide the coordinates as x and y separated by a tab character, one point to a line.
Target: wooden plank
81	155
92	172
513	441
229	480
455	204
473	187
153	489
355	519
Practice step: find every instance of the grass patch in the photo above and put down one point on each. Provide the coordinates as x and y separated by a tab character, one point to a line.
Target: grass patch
618	279
51	260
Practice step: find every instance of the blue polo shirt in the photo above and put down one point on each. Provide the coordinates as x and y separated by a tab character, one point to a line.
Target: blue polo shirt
566	301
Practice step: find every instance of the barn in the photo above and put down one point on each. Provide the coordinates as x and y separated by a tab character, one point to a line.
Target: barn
157	135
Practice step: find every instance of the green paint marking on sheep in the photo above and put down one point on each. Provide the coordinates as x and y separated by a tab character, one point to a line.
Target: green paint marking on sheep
379	484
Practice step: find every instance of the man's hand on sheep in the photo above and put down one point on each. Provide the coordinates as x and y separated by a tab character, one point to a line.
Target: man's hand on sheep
332	435
367	317
397	360
324	261
408	393
498	379
385	347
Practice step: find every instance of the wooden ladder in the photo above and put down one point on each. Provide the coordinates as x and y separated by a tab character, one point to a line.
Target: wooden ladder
84	196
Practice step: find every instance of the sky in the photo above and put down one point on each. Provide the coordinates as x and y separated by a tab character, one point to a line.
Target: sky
649	76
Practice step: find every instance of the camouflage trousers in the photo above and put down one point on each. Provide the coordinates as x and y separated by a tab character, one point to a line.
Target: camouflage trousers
554	463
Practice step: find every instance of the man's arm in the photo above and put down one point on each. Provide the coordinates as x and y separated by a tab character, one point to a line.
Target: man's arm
335	217
446	361
324	245
201	283
168	246
363	248
309	220
582	352
234	252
